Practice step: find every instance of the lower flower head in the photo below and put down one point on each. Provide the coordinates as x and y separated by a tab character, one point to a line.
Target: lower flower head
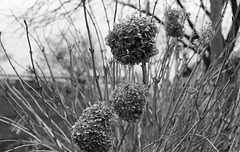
128	100
93	130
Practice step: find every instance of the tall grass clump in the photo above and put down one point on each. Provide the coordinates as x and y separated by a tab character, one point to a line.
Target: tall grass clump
121	90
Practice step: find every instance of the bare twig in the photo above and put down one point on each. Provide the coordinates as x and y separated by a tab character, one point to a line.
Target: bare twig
39	85
208	141
92	51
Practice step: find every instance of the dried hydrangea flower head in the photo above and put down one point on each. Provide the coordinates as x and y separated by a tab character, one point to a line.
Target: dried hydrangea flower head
207	34
174	21
93	130
132	40
233	61
128	100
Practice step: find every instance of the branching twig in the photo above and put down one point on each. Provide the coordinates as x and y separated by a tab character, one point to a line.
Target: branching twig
92	51
39	85
208	141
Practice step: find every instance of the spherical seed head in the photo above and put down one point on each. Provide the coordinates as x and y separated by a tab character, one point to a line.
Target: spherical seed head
174	22
93	130
99	114
207	35
132	39
128	100
92	139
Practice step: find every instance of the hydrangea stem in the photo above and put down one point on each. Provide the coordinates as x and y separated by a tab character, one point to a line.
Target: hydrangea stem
144	73
114	64
145	82
124	134
139	3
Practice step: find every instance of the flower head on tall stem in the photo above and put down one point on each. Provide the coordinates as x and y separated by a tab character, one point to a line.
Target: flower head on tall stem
132	39
93	130
233	63
128	100
207	35
174	21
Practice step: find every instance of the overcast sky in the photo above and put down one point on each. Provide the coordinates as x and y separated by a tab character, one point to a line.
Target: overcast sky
16	44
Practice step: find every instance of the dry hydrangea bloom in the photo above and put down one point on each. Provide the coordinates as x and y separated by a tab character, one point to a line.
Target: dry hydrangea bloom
174	22
207	35
128	100
93	130
132	40
233	61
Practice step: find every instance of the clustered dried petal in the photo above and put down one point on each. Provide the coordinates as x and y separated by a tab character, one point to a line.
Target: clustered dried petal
174	22
132	39
128	100
233	61
207	35
93	130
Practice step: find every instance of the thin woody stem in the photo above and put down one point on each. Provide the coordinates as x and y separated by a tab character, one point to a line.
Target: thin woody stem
39	85
92	51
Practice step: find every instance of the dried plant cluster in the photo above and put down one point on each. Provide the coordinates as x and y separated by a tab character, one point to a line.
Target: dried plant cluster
174	22
132	39
131	42
233	63
234	60
128	100
93	130
207	35
194	114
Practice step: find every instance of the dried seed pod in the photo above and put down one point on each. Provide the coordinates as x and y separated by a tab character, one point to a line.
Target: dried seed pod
93	130
128	100
174	22
132	39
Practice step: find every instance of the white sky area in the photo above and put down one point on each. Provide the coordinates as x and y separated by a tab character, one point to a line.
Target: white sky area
15	44
14	37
